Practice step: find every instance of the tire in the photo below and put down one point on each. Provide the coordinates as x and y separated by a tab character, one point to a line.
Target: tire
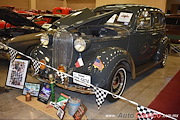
117	82
164	58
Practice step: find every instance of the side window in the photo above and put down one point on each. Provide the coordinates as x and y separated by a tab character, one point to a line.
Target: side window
144	20
159	19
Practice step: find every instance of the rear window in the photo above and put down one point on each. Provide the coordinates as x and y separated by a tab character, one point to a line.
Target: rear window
159	19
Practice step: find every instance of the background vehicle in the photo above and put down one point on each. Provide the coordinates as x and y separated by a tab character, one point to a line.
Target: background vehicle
173	31
62	10
15	24
20	25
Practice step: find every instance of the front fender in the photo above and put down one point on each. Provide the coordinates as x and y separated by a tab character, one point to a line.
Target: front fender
23	42
110	58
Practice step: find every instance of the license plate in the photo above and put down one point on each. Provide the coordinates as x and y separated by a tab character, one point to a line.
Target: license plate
81	79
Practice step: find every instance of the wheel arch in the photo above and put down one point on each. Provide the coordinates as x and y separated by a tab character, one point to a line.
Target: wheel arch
111	58
129	66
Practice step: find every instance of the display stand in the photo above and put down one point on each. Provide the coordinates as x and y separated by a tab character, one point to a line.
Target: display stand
45	108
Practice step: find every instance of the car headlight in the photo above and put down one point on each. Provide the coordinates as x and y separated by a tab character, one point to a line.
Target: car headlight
80	44
44	39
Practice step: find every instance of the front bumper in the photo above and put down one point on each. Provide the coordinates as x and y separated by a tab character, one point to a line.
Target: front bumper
70	86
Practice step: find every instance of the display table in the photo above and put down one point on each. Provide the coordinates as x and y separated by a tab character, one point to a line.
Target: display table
44	108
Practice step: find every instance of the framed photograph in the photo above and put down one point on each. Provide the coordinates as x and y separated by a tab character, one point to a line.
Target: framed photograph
60	113
45	93
80	112
32	88
17	73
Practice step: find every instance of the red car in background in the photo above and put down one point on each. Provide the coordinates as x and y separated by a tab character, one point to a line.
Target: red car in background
38	16
62	10
4	24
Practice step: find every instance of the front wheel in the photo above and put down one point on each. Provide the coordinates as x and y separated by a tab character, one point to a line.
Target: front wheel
117	82
164	58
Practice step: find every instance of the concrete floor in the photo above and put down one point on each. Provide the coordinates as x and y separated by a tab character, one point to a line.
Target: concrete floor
141	90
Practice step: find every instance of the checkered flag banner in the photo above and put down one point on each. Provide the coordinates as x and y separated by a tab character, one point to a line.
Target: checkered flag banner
13	54
36	66
62	76
100	96
144	113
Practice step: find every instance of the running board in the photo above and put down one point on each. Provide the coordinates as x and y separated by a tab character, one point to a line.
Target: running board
143	68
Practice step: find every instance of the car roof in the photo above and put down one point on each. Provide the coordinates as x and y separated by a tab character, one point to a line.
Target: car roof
135	8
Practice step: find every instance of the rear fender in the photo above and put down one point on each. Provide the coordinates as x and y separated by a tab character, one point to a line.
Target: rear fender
163	44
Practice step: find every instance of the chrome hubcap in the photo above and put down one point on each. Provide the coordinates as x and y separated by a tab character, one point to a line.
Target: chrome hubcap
118	82
165	54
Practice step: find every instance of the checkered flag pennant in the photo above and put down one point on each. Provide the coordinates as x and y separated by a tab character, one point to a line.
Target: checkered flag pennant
13	54
36	66
100	96
144	113
62	76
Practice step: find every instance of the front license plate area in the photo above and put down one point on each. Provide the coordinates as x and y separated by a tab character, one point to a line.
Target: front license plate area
81	79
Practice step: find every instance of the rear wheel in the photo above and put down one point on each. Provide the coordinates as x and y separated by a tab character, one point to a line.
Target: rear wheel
164	59
117	82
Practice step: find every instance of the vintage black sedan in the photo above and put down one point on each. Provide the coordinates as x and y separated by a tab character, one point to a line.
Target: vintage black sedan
101	49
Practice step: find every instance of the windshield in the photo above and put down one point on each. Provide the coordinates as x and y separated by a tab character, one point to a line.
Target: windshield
123	18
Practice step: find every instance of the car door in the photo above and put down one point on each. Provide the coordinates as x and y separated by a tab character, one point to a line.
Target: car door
159	29
141	40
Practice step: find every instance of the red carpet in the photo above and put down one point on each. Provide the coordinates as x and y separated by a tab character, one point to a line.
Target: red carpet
168	100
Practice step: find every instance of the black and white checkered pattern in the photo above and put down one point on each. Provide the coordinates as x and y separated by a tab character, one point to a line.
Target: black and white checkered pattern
36	66
144	113
100	96
13	54
62	76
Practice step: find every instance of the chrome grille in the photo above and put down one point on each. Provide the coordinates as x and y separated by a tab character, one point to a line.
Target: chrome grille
62	48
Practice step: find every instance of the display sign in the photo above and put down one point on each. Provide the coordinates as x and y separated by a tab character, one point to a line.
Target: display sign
81	79
124	17
112	19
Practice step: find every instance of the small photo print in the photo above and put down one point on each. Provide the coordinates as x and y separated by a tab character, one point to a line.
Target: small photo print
60	113
32	88
45	93
17	73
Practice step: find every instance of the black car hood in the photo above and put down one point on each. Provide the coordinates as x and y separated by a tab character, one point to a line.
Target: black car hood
74	17
15	19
